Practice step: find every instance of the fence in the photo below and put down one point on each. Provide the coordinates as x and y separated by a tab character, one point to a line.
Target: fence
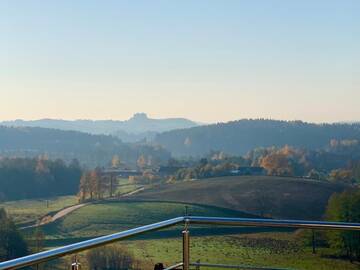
45	256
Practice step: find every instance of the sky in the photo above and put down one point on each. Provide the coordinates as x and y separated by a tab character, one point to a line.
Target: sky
209	61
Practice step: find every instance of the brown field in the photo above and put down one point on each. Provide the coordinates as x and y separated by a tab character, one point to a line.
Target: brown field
277	197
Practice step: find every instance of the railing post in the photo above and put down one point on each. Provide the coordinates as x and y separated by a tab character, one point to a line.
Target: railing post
313	242
76	265
198	265
186	247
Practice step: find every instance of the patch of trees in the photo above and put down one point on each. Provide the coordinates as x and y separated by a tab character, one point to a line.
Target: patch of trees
25	178
339	162
93	185
325	164
205	169
147	177
215	164
345	207
240	137
12	244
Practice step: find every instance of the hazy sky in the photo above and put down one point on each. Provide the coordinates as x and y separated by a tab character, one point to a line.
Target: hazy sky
205	60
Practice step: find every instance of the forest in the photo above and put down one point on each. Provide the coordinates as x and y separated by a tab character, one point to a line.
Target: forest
242	136
24	178
339	161
90	150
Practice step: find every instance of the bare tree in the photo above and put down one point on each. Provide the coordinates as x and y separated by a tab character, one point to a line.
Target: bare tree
111	257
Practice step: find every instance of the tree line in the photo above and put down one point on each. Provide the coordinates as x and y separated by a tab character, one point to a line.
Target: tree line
338	161
90	150
239	137
25	178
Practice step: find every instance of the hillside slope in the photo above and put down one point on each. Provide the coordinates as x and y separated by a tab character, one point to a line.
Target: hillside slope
239	137
277	197
108	217
93	150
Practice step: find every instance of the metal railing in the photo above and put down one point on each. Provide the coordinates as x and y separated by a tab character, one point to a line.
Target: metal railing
45	256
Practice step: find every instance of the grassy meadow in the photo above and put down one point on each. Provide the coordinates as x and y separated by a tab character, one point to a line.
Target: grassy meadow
28	211
112	216
275	249
281	250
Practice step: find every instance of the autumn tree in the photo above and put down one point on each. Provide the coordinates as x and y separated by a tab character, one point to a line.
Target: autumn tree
85	187
92	185
141	162
285	161
97	183
342	175
277	164
115	162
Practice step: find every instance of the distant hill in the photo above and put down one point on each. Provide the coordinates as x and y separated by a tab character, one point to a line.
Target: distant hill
135	129
239	137
278	197
93	150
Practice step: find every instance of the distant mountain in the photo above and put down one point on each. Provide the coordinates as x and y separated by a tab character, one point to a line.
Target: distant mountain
136	128
239	137
92	150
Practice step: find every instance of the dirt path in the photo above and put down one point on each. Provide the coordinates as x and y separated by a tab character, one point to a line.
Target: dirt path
133	192
48	219
65	211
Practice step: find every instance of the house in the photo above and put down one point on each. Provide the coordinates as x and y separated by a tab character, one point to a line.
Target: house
168	170
249	171
124	173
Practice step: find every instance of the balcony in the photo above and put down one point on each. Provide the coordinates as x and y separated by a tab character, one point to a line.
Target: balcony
187	222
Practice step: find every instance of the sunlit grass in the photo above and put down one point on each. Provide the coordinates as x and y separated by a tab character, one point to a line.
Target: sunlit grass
230	249
24	211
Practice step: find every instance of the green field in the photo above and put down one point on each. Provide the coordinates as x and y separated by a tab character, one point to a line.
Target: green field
275	249
109	217
126	188
27	211
262	250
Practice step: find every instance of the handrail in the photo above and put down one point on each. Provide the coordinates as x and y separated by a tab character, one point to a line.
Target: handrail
250	222
175	266
244	267
100	241
84	245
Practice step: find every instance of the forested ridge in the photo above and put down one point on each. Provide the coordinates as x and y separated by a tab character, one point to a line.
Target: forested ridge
91	150
240	137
